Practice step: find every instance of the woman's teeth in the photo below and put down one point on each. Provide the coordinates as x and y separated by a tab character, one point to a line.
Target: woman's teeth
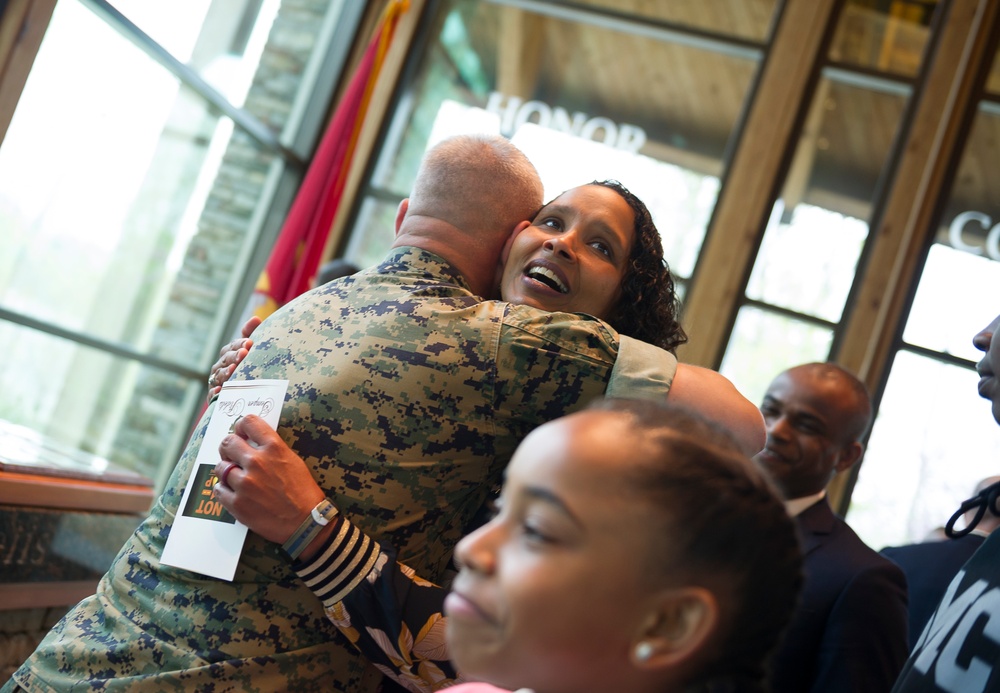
547	277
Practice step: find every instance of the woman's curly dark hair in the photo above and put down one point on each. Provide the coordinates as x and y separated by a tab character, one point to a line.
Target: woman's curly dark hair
648	307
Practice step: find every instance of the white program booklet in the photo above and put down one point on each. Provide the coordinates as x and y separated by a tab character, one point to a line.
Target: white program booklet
205	538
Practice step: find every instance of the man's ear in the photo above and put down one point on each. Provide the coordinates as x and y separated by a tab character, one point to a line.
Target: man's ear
401	212
505	253
676	629
849	456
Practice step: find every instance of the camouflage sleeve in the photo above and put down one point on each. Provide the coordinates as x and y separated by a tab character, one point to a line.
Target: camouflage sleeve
392	617
552	364
641	371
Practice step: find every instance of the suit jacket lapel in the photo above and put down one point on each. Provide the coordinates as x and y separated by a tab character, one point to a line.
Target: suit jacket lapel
815	525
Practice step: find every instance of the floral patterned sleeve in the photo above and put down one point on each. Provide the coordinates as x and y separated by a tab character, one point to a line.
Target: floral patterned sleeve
392	617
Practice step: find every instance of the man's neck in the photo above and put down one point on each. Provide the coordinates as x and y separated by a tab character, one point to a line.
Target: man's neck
476	265
468	270
796	506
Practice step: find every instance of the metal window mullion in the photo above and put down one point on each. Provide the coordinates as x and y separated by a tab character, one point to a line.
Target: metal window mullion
114	348
324	70
939	356
790	314
869	80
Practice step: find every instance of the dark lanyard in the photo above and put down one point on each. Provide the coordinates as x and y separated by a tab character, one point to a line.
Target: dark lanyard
985	499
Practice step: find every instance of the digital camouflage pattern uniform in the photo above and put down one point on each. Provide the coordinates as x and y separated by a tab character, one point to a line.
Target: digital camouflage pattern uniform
407	396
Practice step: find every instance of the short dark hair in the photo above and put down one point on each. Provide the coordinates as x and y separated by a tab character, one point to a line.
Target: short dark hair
861	418
723	526
648	308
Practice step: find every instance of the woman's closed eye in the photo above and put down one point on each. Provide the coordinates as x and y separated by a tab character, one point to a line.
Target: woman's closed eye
537	529
533	533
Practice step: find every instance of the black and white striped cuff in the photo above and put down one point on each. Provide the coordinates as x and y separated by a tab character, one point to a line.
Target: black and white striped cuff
342	565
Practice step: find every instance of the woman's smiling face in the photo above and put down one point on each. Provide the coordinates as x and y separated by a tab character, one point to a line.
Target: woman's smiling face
573	255
552	590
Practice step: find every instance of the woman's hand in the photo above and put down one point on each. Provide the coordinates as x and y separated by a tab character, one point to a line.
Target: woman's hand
229	357
270	490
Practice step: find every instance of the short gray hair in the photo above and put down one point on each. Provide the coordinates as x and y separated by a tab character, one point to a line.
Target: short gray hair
477	183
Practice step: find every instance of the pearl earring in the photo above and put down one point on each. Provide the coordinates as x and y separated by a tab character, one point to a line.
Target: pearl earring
643	651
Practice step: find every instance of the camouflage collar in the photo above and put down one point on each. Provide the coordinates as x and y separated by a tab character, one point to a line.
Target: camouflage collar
413	260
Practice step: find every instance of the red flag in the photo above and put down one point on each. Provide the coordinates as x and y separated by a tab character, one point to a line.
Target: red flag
298	250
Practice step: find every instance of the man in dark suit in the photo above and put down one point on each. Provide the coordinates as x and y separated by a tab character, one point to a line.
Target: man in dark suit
849	633
930	566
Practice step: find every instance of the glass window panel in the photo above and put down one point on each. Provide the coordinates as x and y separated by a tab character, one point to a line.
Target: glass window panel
109	226
133	222
83	398
811	247
222	40
883	36
749	19
764	343
922	461
493	68
940	322
807	263
971	218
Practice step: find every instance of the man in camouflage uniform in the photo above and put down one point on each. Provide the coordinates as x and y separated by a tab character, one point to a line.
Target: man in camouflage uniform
407	395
